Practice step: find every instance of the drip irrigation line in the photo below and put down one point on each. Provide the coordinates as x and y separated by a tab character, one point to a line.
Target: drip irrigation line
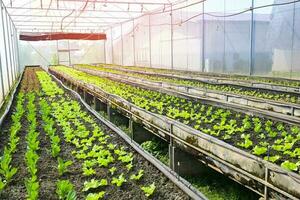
48	8
75	17
62	20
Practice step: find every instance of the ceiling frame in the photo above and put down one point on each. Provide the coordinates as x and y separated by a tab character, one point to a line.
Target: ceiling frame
59	21
119	2
39	17
84	17
70	9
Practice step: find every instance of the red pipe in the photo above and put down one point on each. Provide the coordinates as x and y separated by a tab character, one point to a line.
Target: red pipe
61	36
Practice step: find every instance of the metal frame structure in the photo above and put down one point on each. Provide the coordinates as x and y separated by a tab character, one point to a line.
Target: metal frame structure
130	13
9	60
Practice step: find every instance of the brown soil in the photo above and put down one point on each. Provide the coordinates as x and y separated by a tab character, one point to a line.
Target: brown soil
29	81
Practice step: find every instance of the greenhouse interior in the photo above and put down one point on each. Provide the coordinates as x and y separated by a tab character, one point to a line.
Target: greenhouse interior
140	99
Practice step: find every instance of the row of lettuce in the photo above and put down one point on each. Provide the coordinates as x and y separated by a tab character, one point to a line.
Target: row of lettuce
255	79
262	94
272	140
91	145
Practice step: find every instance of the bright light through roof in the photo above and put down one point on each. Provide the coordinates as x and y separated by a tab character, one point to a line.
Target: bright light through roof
77	15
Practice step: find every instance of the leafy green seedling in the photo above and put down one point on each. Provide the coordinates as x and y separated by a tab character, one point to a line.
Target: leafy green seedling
95	196
289	165
32	187
259	150
112	170
64	188
129	166
149	190
119	181
138	176
63	166
88	171
92	184
272	159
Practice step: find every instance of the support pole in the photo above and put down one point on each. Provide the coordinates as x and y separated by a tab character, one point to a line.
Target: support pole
57	52
251	40
9	49
108	111
104	50
12	55
172	50
131	128
69	51
4	38
203	38
224	34
133	42
112	46
122	56
17	44
293	38
2	82
150	53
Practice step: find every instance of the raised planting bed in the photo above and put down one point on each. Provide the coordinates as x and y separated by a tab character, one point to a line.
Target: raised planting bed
268	91
267	82
272	140
53	148
279	109
285	111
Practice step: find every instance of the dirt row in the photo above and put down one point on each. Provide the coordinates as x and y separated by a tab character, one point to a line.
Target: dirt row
29	81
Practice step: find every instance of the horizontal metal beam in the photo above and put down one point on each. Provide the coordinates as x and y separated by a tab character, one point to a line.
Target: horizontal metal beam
59	21
50	25
121	2
26	29
84	17
70	9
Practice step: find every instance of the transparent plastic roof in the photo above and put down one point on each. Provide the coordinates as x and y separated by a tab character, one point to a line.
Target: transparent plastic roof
77	15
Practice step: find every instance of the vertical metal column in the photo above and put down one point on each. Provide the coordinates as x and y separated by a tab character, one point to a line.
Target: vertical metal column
172	50
187	40
15	49
251	40
293	38
6	60
104	50
12	53
57	52
9	49
122	61
133	42
112	46
18	55
203	38
69	53
150	53
2	82
224	33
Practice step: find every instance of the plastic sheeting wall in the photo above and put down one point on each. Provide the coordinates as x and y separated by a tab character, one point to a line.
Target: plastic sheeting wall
45	53
212	37
9	64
